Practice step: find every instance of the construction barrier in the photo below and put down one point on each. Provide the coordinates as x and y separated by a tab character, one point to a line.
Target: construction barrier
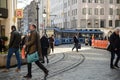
100	43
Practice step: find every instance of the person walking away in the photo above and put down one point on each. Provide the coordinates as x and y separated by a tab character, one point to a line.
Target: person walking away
14	46
33	46
115	48
44	46
51	42
76	42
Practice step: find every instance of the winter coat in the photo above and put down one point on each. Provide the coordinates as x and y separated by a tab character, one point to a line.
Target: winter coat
15	39
44	45
114	42
33	44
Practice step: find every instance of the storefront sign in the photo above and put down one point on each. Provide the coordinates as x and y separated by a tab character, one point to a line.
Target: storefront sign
19	13
3	13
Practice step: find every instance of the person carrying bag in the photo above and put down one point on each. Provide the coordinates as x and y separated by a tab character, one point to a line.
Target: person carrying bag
34	52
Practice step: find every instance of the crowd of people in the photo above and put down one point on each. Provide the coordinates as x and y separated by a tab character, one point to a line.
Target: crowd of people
32	44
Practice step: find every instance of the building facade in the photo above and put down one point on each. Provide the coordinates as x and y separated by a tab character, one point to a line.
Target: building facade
57	10
88	13
7	16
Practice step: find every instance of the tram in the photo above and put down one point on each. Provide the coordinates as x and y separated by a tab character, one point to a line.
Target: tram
66	36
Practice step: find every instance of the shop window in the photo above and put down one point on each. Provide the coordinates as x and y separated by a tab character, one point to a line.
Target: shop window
3	3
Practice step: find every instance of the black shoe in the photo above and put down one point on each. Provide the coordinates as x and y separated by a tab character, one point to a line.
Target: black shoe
46	74
112	67
47	61
117	66
43	62
27	76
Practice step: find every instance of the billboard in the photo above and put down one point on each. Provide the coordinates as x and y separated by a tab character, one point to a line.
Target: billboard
19	13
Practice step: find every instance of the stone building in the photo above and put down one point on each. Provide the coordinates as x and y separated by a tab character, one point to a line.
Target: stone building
86	13
7	16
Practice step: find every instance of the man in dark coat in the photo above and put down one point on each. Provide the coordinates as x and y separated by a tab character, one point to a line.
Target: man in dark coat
14	46
51	42
115	48
76	42
44	46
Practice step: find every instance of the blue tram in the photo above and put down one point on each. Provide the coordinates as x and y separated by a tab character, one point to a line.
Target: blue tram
66	36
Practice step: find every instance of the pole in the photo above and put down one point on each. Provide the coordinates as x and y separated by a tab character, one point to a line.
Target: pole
44	28
37	8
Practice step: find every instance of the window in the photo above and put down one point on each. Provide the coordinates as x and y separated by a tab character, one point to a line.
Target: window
110	23
101	1
102	23
102	11
111	1
118	1
3	3
89	1
68	13
84	1
65	5
118	11
84	11
68	2
96	11
111	11
96	1
65	14
75	11
90	11
72	2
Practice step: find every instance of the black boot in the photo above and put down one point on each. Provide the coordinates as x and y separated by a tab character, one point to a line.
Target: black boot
117	66
28	76
46	74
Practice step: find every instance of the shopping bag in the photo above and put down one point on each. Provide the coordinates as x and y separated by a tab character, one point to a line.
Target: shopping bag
79	46
23	53
32	57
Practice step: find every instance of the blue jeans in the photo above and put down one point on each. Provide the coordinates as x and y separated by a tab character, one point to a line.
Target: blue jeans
10	53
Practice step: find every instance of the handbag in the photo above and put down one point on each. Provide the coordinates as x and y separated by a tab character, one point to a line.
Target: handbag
109	47
23	53
79	46
32	57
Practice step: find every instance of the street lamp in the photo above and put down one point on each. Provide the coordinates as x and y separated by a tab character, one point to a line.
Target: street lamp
44	16
37	8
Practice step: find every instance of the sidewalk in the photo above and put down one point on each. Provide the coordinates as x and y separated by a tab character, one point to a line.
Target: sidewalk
87	64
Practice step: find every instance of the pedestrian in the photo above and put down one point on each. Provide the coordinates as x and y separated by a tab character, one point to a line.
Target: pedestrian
51	42
114	48
44	46
76	43
86	41
14	46
33	45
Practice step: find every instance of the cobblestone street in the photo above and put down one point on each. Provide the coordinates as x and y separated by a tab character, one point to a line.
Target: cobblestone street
65	64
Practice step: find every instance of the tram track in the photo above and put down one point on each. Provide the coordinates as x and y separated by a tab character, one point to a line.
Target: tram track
72	66
55	60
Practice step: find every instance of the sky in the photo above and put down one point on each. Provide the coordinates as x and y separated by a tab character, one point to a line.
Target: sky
23	3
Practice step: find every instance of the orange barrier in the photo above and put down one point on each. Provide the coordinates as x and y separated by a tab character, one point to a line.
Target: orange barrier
100	43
